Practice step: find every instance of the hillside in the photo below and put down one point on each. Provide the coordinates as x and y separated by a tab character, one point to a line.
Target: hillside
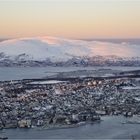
52	51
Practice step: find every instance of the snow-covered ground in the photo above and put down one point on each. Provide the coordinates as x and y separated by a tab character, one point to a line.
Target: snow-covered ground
130	87
47	82
59	49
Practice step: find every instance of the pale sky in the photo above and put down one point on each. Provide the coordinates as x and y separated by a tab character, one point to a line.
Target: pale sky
70	18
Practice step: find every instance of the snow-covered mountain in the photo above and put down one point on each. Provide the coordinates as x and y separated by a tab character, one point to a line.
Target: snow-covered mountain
49	50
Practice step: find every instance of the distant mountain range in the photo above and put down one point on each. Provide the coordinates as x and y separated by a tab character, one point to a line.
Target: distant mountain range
52	51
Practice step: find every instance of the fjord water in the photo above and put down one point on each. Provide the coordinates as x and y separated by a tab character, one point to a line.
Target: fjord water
18	73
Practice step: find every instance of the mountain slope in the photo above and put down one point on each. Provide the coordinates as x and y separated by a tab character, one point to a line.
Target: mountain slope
62	50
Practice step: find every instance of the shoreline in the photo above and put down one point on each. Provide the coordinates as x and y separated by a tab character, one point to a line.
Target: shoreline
57	126
87	133
83	123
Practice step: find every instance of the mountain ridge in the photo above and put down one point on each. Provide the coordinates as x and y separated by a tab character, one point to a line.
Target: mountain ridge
52	50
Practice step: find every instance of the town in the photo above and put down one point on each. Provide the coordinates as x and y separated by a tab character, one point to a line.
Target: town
54	104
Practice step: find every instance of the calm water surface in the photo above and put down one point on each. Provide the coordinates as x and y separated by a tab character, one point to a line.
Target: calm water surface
18	73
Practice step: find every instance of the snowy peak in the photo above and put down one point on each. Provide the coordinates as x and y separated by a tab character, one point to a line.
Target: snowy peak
42	48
